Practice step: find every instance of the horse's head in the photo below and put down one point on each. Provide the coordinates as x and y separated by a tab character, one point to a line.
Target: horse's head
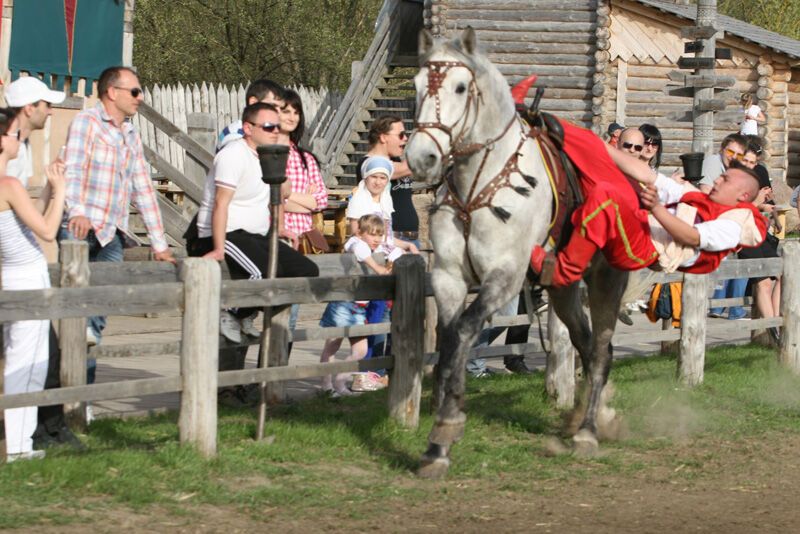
450	103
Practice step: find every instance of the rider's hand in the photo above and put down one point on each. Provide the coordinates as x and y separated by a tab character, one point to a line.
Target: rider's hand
649	196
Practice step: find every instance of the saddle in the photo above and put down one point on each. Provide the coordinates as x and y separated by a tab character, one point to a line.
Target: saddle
567	195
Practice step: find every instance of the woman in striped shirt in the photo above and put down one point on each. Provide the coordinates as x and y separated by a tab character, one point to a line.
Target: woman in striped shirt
26	343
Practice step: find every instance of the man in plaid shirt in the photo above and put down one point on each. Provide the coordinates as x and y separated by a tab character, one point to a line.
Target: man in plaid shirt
105	170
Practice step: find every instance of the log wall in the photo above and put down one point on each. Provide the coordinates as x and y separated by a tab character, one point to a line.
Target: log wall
794	129
554	39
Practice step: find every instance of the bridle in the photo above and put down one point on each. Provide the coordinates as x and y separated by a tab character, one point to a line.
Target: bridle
437	70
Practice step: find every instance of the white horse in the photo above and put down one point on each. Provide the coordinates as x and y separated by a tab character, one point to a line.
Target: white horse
489	213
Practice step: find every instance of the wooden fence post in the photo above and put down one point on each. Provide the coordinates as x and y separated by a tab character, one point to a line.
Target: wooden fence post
694	306
199	353
431	319
560	367
408	340
790	308
72	332
2	376
278	351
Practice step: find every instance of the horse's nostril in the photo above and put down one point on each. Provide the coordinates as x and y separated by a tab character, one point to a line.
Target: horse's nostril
431	159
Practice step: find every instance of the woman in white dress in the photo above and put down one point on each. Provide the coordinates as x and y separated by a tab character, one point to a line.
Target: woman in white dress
753	116
24	266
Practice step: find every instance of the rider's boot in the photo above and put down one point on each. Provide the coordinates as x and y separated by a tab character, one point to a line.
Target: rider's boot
567	266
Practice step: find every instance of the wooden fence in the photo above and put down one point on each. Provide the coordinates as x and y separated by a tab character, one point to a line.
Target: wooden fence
225	105
197	290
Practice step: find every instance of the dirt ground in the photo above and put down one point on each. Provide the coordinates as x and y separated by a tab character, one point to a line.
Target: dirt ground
739	486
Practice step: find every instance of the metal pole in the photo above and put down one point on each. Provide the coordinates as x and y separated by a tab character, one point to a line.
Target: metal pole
273	173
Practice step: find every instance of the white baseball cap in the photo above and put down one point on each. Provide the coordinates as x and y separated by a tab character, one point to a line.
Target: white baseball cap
30	89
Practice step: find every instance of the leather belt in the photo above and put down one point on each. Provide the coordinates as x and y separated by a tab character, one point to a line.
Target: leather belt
406	235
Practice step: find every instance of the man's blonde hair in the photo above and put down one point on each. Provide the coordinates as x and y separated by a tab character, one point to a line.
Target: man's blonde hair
371	224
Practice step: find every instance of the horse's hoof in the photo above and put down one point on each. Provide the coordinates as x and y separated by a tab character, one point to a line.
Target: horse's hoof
433	469
585	444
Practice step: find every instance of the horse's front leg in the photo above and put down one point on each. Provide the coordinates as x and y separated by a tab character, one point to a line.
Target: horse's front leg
458	337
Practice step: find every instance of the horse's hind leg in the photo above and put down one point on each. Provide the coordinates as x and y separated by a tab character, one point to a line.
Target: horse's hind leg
606	287
458	337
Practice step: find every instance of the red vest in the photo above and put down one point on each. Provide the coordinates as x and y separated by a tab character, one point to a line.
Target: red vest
708	210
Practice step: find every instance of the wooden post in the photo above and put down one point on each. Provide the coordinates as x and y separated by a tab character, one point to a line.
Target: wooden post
694	306
560	368
278	351
408	340
72	332
703	121
789	355
199	352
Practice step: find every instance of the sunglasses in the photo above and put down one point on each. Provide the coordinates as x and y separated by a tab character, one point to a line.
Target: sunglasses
651	142
733	154
267	126
13	135
401	135
628	146
134	91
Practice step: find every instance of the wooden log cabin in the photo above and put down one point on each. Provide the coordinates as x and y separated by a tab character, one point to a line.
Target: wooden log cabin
605	61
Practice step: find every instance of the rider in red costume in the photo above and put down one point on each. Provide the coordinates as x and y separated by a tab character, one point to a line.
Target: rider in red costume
613	220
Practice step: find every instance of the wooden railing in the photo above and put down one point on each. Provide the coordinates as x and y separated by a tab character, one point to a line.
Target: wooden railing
196	289
333	141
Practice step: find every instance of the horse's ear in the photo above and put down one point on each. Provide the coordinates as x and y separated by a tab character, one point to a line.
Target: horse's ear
425	42
469	41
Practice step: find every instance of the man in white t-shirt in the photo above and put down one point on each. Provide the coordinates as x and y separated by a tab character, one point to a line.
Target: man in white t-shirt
31	99
233	219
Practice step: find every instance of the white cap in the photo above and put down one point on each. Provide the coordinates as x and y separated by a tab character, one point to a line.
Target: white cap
30	89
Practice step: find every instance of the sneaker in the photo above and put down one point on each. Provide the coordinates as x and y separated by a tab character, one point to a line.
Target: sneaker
742	317
29	455
624	317
714	315
368	381
63	436
518	367
91	339
775	334
229	327
249	327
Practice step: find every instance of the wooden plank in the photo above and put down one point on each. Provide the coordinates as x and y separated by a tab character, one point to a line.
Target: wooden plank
622	91
408	340
59	303
691	358
199	354
260	293
191	189
299	372
789	355
137	350
175	221
278	351
93	392
72	332
190	145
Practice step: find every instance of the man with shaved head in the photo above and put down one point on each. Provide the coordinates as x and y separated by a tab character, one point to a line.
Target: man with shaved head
631	141
677	226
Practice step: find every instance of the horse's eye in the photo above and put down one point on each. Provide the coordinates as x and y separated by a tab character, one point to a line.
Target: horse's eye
460	88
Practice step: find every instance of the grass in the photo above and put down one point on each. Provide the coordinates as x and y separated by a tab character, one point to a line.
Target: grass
345	453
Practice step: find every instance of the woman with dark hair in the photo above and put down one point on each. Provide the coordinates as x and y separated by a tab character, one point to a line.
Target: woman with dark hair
26	343
653	146
308	190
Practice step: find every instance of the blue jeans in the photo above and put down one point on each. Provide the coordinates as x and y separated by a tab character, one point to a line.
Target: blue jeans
113	252
730	289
